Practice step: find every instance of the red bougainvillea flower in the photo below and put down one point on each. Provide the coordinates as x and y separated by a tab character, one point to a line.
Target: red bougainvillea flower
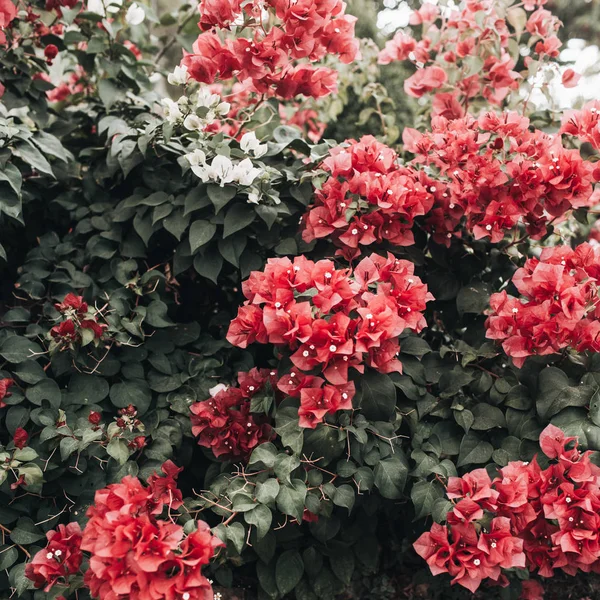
50	52
136	555
60	559
72	304
5	384
224	422
323	318
558	305
267	58
367	199
20	438
425	80
494	172
527	517
584	123
570	78
8	11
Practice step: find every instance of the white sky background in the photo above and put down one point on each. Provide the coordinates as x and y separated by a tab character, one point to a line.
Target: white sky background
575	54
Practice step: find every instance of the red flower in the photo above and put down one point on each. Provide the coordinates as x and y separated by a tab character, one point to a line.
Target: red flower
50	52
97	328
8	11
4	393
224	423
135	554
72	304
133	49
20	438
94	417
60	558
425	80
65	332
570	78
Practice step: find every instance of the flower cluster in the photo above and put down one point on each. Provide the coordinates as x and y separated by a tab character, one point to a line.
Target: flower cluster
79	325
471	44
497	173
526	517
224	422
60	559
368	198
559	305
281	33
135	554
584	123
329	320
197	111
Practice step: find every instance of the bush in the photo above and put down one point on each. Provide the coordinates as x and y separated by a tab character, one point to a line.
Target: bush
249	338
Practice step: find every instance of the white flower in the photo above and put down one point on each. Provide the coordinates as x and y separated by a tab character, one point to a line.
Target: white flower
220	387
179	76
135	14
96	6
197	157
113	6
207	98
245	172
253	198
171	110
193	122
250	144
223	108
222	170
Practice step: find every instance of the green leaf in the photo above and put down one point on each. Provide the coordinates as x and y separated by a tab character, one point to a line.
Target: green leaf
16	349
487	417
264	454
118	450
109	92
25	532
344	496
342	564
378	398
48	390
261	517
291	434
33	157
68	445
220	196
474	451
87	389
236	534
209	265
290	500
288	571
555	393
423	496
8	556
237	217
267	491
12	175
131	392
390	476
201	232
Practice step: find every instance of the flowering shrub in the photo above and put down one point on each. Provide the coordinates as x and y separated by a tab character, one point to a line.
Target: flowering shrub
337	317
133	553
319	332
560	309
526	517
